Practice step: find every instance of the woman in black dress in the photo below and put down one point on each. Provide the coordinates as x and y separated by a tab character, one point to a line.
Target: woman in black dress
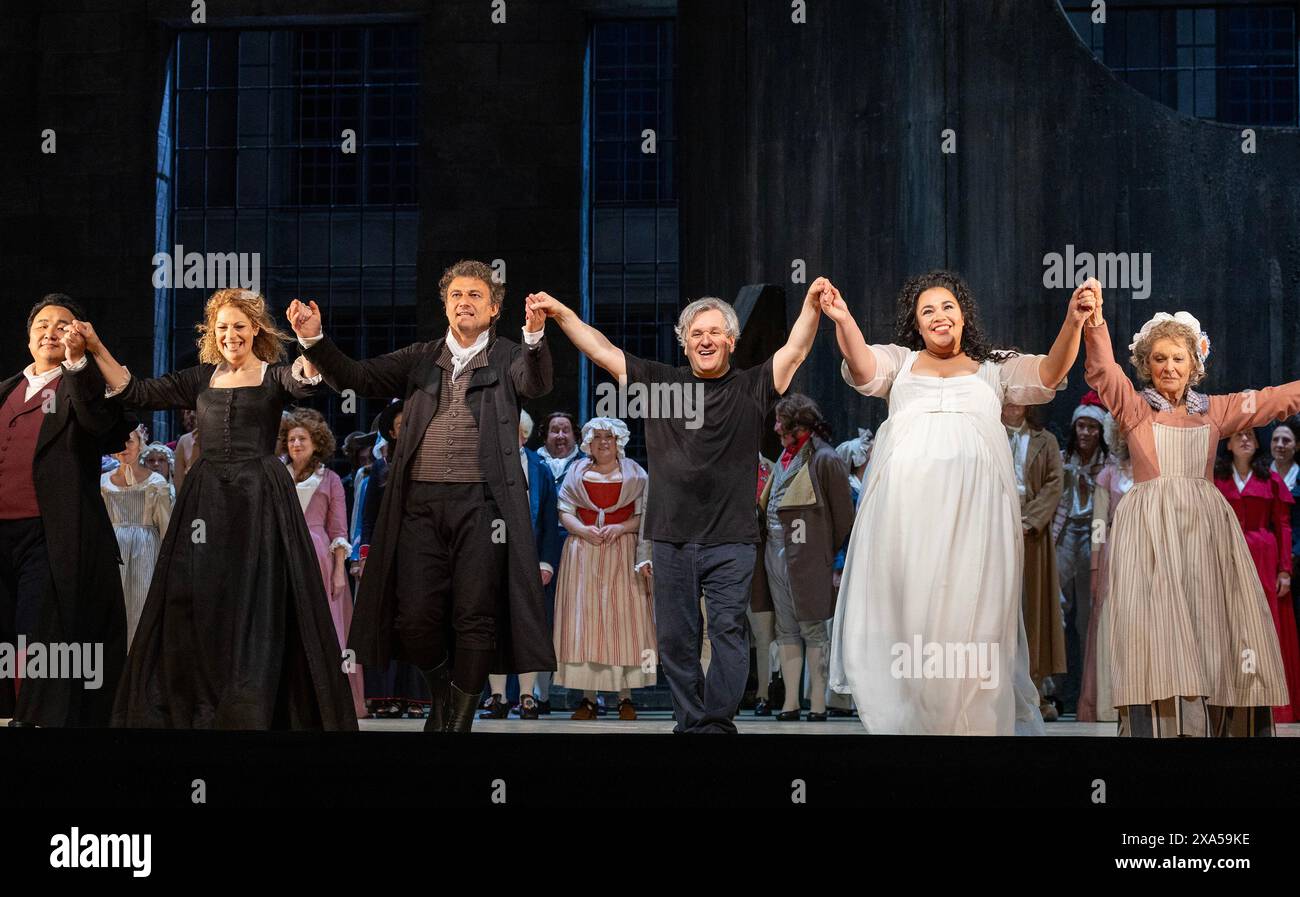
236	630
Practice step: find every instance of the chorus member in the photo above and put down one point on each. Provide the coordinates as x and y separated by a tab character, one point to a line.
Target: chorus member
700	515
1184	596
1084	456
761	616
58	556
604	615
807	512
534	687
936	555
456	507
139	502
1113	483
307	443
1036	460
1283	447
187	448
236	630
1262	503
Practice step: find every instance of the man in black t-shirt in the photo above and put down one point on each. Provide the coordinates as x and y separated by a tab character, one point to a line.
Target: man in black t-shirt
703	425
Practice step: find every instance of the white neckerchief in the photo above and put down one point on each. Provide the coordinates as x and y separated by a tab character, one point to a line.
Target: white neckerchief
307	488
557	464
37	382
461	356
1241	484
1290	477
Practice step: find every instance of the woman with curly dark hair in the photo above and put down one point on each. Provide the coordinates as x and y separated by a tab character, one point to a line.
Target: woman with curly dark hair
928	633
307	443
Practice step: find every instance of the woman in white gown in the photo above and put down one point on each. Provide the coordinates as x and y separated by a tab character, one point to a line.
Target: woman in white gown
928	634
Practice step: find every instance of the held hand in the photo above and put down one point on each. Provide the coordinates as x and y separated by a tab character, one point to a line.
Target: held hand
591	534
545	304
534	317
87	332
1085	303
834	306
816	290
304	318
74	345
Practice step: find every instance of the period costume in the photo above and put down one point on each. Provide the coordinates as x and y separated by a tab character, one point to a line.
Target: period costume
236	630
325	509
1036	460
1185	602
1263	508
1113	483
140	512
604	616
58	556
936	556
466	594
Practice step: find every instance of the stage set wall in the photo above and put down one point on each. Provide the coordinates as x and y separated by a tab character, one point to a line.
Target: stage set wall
822	142
818	141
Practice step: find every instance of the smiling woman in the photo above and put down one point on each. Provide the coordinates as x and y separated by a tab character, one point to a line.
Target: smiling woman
236	630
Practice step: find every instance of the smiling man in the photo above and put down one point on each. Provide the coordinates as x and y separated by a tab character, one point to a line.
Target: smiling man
466	598
700	511
59	582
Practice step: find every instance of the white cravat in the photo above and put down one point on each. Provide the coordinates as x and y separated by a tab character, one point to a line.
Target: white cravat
463	355
36	382
1290	477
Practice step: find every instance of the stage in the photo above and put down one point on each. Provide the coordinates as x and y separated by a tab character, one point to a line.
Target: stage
557	761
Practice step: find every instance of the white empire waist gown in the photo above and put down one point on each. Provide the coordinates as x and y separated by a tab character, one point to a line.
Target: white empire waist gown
929	635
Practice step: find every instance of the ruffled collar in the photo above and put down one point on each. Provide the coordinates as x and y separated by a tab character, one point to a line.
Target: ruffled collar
1195	402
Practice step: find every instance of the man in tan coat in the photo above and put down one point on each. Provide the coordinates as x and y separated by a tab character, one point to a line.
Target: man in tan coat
1036	457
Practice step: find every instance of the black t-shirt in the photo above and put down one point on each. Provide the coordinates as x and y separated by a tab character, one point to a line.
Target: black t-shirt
703	479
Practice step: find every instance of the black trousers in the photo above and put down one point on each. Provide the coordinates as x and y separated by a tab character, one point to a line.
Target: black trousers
24	581
451	564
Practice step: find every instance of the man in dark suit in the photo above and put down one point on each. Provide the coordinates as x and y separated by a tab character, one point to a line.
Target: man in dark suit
60	590
466	598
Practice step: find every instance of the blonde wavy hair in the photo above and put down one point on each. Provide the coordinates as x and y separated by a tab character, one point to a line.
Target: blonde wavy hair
1167	330
268	345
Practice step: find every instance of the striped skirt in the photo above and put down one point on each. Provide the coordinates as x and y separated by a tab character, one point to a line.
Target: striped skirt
1187	616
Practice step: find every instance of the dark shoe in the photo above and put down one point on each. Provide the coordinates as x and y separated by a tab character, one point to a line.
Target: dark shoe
839	713
626	709
494	708
528	707
19	724
544	707
439	681
415	710
761	708
788	716
460	709
816	717
586	711
601	709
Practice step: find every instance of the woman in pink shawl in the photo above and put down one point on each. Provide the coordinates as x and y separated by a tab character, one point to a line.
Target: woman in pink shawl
604	613
306	441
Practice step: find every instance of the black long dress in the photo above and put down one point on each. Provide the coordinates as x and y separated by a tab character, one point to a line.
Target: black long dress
236	630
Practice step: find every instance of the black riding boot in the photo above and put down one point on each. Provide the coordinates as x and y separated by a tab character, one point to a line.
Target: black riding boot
460	709
439	680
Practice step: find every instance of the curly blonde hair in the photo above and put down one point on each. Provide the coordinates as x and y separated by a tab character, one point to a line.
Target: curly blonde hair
311	420
1167	330
268	345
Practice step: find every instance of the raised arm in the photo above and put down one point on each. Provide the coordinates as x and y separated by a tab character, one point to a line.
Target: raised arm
1255	407
589	341
378	378
1053	369
530	368
1105	375
858	357
797	346
174	390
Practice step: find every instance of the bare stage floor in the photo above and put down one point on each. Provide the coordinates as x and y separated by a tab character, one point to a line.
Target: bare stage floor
661	723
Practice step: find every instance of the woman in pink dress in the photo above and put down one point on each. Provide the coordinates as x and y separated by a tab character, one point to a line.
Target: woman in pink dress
306	440
1263	503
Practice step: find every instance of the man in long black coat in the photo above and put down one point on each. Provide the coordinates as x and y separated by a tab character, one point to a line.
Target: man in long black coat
452	583
60	589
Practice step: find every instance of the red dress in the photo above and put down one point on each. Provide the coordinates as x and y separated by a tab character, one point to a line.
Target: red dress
1263	509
